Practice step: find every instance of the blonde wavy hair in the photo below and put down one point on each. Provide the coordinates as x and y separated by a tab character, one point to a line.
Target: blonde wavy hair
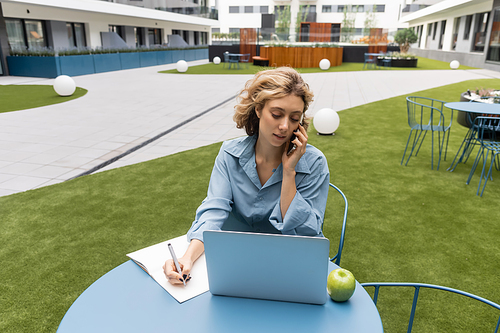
265	86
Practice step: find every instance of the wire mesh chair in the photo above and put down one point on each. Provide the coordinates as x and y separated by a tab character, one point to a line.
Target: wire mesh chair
427	114
226	60
245	58
471	139
487	135
417	287
369	61
336	259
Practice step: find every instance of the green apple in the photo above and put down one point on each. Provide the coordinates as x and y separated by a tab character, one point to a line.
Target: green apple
340	284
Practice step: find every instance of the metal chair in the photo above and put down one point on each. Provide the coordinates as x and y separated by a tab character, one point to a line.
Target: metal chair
245	58
488	129
385	60
234	59
226	60
427	114
471	139
371	62
417	287
336	259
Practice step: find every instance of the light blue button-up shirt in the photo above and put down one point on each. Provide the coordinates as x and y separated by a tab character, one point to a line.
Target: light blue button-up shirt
237	201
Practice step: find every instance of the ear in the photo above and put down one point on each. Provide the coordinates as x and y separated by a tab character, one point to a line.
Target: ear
258	111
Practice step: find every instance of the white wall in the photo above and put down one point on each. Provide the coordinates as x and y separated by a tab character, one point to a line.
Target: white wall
95	23
387	20
449	16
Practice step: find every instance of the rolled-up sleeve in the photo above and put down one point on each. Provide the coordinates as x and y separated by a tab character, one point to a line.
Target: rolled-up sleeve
215	209
307	210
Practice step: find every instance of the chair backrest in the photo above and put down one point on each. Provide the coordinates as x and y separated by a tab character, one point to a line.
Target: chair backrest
417	287
245	57
337	257
425	111
469	119
488	127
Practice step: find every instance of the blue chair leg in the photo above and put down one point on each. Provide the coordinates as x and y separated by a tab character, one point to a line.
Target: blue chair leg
480	155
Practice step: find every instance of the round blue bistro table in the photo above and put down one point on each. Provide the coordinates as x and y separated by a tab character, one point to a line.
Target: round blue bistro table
127	299
485	108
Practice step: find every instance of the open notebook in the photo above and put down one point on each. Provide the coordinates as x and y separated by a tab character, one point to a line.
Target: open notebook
152	258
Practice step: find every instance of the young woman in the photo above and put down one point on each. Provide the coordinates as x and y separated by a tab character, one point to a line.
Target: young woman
259	184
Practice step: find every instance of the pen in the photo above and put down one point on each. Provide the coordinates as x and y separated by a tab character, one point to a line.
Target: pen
176	263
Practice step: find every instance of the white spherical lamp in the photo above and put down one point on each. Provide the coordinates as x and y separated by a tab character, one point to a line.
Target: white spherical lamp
454	64
182	66
326	121
324	64
64	85
216	60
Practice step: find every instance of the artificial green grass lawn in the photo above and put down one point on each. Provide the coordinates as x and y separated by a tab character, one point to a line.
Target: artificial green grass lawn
404	224
21	97
211	68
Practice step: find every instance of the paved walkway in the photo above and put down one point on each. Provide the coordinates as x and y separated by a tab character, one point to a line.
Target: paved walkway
126	109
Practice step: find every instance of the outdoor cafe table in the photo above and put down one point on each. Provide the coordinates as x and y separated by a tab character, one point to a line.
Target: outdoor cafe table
471	107
235	56
127	299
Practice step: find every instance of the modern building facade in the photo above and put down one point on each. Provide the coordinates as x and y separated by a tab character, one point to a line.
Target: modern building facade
65	24
463	30
384	14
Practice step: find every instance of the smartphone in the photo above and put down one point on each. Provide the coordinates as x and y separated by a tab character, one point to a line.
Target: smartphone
292	146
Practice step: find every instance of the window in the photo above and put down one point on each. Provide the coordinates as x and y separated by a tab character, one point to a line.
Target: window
359	8
34	32
264	9
379	8
429	29
494	49
480	25
248	9
196	38
25	33
435	30
76	35
340	8
234	9
468	24
335	32
185	36
15	33
441	36
234	30
456	25
326	9
215	30
139	36
154	36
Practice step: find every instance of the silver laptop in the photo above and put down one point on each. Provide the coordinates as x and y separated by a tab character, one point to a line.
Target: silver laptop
266	266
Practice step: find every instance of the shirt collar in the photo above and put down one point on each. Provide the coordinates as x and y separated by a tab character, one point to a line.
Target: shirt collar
244	149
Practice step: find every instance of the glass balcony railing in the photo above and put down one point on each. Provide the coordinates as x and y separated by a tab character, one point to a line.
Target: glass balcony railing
205	12
185	7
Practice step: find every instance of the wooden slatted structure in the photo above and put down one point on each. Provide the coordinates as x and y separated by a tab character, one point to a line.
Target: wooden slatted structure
301	57
248	41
